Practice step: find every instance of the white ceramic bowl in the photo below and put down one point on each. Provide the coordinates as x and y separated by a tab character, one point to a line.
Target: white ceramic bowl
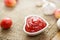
35	33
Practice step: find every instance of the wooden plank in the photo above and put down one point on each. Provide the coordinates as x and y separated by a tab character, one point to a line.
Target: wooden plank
57	36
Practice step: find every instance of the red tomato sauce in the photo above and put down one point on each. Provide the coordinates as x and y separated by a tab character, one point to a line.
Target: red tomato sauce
34	24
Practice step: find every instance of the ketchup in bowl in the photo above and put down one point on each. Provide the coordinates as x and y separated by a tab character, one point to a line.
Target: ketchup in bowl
34	24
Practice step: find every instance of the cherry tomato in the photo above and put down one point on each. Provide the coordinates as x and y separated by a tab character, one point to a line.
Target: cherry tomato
10	3
6	23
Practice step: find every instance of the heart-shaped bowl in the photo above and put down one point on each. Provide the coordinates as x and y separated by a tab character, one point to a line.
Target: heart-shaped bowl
38	32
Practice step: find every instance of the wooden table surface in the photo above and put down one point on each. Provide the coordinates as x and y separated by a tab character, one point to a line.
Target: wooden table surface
18	13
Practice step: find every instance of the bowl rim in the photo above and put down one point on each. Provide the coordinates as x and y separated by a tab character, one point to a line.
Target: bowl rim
37	31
